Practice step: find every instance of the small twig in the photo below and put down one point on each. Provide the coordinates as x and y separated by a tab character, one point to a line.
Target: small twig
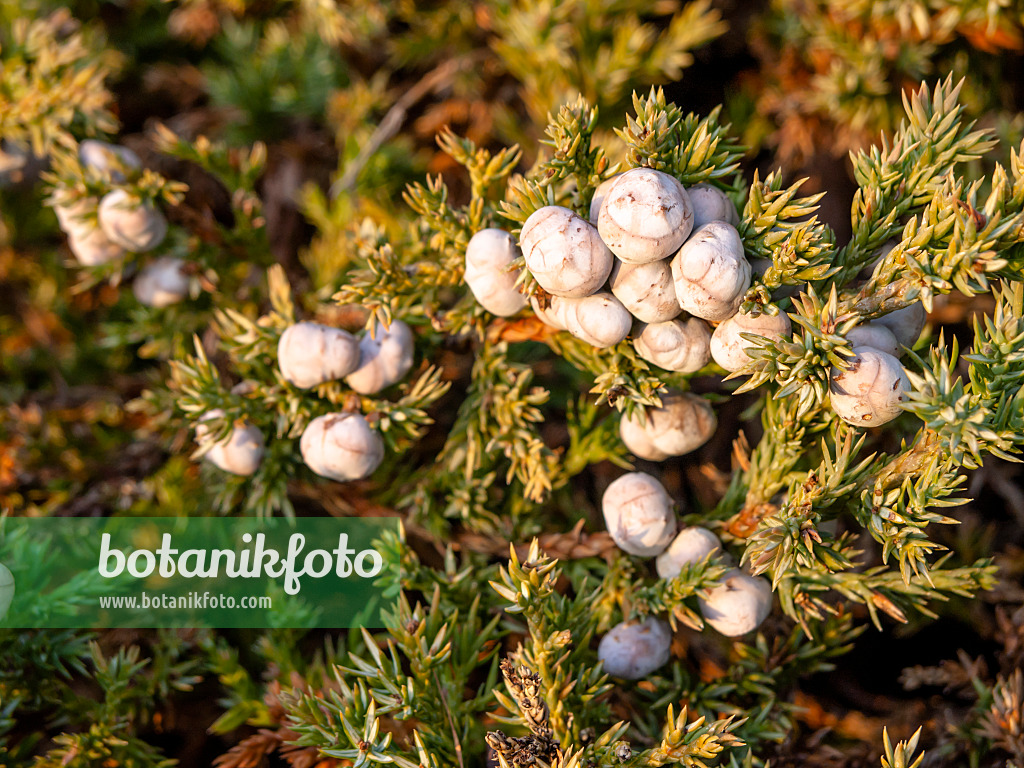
451	720
395	117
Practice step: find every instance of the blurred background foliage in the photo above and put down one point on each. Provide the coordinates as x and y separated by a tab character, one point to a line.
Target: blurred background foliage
315	116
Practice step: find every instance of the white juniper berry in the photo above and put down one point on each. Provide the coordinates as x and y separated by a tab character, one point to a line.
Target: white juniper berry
133	224
489	255
385	357
646	290
710	272
682	423
677	345
240	453
565	253
162	283
309	354
738	604
645	216
639	514
342	447
633	650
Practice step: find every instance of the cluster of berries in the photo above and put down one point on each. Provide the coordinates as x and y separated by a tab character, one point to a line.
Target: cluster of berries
641	520
657	263
341	446
664	266
105	229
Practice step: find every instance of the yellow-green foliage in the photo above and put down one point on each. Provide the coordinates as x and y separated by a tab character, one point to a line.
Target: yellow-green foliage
52	84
